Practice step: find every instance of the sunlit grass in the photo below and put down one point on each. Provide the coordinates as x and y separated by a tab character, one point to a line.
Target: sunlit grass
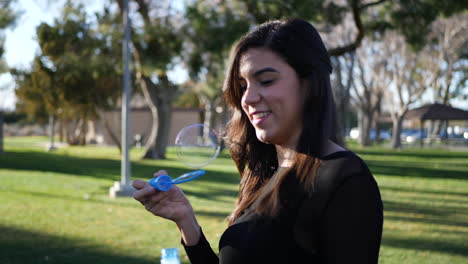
55	206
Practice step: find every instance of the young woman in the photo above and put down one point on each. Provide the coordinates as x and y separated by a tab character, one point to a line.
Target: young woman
302	197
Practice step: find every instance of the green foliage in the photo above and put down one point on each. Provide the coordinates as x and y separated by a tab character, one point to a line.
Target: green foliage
30	98
318	11
76	73
13	117
187	99
7	19
211	30
158	44
410	17
7	16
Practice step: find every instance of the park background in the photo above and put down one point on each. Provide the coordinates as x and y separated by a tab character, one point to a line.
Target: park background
61	139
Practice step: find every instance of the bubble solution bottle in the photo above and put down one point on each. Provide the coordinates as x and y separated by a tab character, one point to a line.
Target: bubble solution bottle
170	256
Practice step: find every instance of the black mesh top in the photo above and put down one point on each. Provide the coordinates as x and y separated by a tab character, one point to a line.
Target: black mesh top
339	221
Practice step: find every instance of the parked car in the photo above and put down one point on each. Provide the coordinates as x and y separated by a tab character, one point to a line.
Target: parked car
384	134
412	135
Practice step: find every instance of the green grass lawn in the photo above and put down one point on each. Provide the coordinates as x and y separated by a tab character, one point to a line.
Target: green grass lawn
55	207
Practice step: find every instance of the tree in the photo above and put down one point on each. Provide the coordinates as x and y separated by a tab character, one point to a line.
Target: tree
444	61
343	75
7	19
369	87
156	44
73	77
38	94
448	39
404	71
410	18
210	31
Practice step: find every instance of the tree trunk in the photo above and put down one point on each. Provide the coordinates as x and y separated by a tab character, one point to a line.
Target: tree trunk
1	132
377	131
365	121
160	95
52	132
157	148
396	131
210	117
91	137
61	130
84	131
115	138
341	94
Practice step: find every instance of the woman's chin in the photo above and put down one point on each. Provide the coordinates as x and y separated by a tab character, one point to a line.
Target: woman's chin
263	137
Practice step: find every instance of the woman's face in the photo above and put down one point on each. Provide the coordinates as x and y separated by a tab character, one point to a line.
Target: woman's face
272	98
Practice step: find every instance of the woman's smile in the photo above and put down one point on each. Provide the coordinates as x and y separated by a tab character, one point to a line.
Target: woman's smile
258	117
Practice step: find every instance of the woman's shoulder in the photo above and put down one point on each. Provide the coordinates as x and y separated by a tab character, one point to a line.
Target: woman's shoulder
343	179
340	166
335	171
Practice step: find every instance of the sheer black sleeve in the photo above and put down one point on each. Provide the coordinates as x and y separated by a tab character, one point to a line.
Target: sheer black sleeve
201	253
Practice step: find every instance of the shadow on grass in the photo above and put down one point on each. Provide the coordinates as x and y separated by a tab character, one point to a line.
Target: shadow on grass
51	162
93	167
209	195
432	215
212	195
430	192
221	216
445	246
107	169
424	153
76	199
21	246
409	169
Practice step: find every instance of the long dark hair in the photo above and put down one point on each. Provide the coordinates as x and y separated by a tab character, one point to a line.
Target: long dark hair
300	45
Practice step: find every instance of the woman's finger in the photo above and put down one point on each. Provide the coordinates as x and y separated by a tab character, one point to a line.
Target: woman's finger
139	184
159	173
140	195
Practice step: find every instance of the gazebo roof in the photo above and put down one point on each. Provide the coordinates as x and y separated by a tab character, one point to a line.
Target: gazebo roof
437	112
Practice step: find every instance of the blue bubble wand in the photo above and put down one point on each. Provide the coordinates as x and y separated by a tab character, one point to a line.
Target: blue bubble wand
194	136
164	182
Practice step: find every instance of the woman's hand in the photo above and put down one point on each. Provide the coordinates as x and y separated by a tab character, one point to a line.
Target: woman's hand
171	204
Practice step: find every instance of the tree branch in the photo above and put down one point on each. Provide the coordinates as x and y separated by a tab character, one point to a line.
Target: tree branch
143	9
364	6
356	10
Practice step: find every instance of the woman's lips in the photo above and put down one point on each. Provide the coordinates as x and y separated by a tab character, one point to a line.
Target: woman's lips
259	117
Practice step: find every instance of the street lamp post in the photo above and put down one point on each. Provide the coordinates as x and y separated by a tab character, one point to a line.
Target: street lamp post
123	187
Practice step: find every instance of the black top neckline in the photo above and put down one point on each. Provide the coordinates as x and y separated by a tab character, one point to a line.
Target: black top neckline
337	154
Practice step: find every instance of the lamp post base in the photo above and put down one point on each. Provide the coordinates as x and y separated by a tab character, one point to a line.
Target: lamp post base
121	190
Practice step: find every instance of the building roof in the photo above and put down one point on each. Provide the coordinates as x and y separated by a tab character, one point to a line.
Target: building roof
437	112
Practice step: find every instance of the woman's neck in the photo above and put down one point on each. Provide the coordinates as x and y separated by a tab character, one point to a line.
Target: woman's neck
285	156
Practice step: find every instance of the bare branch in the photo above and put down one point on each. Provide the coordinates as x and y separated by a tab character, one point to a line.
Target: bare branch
364	6
356	11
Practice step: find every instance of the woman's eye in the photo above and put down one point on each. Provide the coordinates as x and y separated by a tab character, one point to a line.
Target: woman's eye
266	82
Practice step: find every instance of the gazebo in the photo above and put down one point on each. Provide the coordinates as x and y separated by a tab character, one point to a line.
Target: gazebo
435	112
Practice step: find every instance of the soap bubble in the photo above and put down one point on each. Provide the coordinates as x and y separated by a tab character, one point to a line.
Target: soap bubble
197	145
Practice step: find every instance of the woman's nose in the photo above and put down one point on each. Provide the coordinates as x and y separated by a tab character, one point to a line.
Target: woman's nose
251	96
